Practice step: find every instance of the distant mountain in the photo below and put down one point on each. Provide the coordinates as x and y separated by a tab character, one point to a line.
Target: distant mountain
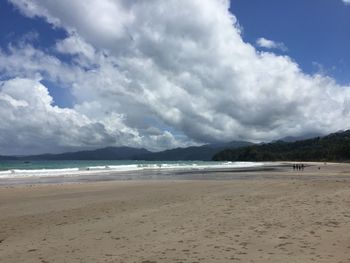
109	153
334	147
193	153
7	158
198	153
300	138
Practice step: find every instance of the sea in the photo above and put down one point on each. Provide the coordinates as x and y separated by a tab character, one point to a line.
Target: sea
25	169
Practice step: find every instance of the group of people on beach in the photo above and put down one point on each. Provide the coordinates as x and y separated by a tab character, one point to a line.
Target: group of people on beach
298	166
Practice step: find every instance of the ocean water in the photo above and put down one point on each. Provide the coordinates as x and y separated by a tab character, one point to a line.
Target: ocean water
24	169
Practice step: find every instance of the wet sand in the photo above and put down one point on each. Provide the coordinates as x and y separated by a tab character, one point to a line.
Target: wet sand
261	216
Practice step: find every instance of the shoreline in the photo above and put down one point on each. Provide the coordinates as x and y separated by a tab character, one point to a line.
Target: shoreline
42	170
267	170
147	174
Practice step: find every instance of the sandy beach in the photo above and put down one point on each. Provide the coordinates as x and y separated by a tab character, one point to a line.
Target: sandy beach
261	216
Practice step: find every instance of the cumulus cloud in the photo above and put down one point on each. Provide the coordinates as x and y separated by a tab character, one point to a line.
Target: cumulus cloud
30	120
31	124
347	2
74	45
172	73
269	44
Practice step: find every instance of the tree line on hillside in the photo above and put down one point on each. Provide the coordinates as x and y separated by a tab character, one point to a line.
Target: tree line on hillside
334	147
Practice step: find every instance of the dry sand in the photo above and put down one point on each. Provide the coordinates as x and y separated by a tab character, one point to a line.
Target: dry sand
277	216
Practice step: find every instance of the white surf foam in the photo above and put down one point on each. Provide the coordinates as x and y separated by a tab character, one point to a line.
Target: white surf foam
19	173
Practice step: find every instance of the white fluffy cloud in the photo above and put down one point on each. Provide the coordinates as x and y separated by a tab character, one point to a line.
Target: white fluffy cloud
31	122
269	44
28	117
347	2
172	73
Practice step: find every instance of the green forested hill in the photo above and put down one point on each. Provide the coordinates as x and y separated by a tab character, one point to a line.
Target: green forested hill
334	147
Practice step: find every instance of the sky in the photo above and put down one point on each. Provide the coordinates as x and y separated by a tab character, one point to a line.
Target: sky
163	74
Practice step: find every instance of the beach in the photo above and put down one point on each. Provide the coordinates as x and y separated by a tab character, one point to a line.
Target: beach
277	215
